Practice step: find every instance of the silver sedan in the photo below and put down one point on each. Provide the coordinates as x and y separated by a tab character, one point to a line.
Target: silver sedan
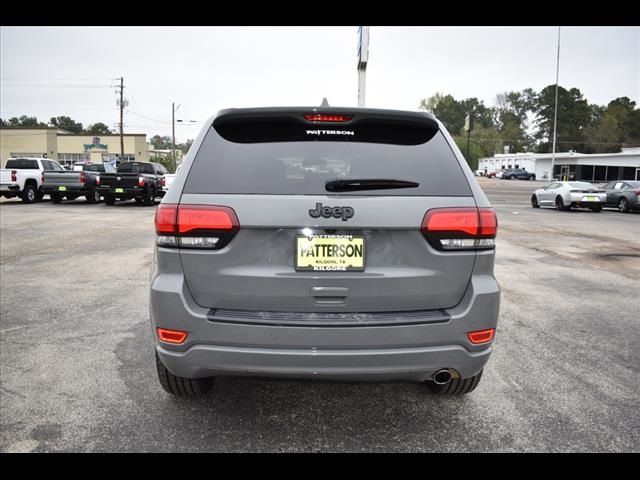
567	195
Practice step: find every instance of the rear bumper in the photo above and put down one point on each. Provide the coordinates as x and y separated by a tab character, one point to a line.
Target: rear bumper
9	188
411	352
411	364
128	192
70	190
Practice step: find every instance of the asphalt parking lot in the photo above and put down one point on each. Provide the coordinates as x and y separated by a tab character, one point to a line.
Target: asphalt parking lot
77	368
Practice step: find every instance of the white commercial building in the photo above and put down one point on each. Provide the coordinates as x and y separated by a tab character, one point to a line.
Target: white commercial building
594	167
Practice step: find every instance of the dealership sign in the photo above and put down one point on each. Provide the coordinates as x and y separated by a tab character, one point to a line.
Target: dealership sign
96	144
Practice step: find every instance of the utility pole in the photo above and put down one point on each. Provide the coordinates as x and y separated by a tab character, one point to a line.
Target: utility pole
121	119
468	126
363	57
555	113
173	133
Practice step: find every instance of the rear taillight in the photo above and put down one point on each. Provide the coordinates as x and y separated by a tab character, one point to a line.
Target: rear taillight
97	180
461	228
321	117
42	178
163	182
141	181
637	192
172	336
83	177
14	176
481	336
195	226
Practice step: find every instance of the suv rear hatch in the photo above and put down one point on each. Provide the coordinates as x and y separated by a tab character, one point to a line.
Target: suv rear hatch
291	175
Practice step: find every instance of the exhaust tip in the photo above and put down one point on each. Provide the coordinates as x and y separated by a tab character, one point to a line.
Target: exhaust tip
442	377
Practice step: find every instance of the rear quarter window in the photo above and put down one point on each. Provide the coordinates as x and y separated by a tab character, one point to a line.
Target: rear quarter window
303	167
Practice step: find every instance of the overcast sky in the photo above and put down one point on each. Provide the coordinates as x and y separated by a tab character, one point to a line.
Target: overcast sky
67	71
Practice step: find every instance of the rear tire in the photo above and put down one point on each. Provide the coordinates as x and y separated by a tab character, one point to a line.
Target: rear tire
93	196
512	177
623	205
28	194
532	177
182	387
560	204
456	386
150	198
109	199
534	202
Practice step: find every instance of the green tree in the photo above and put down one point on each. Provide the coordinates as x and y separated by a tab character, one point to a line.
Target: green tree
161	143
165	160
184	147
98	128
23	121
447	109
66	123
574	116
613	127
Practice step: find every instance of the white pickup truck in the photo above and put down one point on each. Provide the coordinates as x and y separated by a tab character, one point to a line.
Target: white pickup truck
168	178
22	177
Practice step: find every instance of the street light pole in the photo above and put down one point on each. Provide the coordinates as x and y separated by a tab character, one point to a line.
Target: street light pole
173	133
555	113
363	57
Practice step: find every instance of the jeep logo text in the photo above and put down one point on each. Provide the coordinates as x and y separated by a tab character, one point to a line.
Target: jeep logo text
336	212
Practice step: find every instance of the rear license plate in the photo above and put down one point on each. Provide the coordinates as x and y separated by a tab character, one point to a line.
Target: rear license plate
62	189
590	199
330	253
119	190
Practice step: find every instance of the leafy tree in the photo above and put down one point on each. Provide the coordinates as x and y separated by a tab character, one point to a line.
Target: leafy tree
98	129
165	160
23	121
574	115
66	123
448	110
184	147
161	143
612	127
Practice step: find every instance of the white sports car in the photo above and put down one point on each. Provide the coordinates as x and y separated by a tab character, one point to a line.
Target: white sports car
567	195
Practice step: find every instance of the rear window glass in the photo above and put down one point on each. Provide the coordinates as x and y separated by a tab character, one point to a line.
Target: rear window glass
303	167
21	163
135	168
581	185
93	168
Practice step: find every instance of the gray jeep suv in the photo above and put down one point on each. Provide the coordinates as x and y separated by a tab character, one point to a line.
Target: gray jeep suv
324	242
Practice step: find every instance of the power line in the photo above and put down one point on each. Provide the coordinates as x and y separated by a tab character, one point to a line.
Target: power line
148	118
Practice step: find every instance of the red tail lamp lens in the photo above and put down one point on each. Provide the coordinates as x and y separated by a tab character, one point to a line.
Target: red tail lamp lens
488	223
165	219
204	218
321	117
481	336
172	336
14	176
452	220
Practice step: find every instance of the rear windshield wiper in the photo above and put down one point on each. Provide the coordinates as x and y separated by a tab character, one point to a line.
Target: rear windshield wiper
353	184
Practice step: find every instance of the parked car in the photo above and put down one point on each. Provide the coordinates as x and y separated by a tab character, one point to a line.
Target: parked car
141	181
517	174
623	194
382	271
167	179
567	195
479	173
492	174
499	174
83	180
22	177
